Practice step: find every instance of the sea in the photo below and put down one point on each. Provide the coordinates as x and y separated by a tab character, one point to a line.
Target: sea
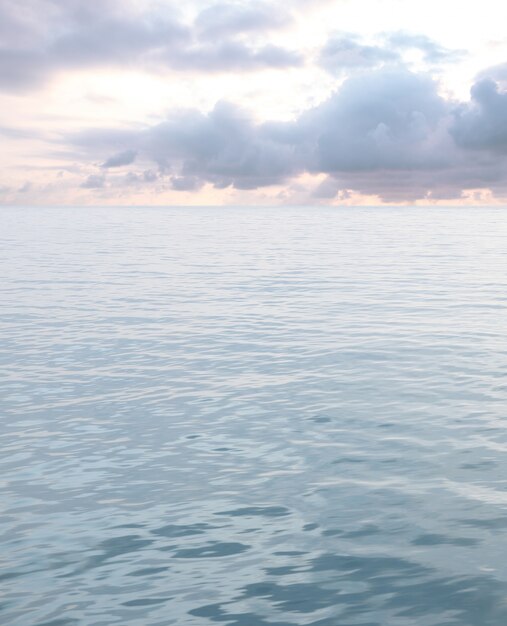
253	416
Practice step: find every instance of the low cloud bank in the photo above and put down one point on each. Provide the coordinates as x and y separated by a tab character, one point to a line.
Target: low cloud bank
387	132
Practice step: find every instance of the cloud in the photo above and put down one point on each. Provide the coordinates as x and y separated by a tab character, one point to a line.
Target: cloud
227	18
186	183
44	37
224	147
346	51
482	124
327	189
131	178
94	181
432	51
115	39
121	158
342	52
232	56
150	176
104	141
386	132
11	132
384	119
25	188
497	73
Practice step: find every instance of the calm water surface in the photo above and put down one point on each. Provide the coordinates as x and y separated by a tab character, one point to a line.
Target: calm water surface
253	417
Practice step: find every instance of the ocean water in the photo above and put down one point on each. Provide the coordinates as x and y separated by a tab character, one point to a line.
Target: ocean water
253	417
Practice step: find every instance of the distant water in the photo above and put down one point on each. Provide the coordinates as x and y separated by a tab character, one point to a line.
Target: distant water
253	417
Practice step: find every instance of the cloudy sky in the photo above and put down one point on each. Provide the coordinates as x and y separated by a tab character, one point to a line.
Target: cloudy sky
253	102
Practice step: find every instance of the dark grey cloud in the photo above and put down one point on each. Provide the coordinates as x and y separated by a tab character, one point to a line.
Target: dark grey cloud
41	37
482	124
448	183
386	132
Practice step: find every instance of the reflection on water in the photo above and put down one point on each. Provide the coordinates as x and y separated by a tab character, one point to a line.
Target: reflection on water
253	417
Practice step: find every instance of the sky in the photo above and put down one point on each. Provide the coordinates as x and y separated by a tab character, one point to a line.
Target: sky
253	102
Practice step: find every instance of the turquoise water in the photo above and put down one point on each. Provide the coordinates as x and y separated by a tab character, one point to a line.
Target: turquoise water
253	417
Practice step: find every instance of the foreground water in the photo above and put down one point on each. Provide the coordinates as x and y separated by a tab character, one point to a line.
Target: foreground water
253	417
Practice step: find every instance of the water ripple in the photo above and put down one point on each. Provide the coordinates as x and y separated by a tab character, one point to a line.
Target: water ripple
253	417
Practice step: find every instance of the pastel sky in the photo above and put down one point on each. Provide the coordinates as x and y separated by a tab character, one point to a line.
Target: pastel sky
253	102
